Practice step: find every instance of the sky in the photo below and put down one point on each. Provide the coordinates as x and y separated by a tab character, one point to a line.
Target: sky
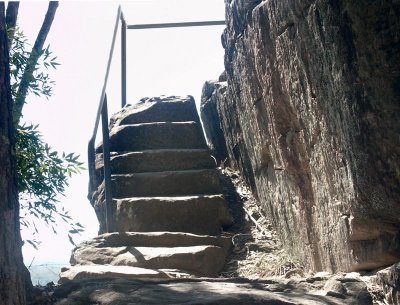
160	62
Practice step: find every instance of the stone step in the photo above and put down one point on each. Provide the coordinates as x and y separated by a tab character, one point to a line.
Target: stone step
155	239
168	183
199	255
157	161
158	109
138	137
205	260
108	271
193	214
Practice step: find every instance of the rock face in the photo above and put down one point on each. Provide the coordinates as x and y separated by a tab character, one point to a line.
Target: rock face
211	93
310	117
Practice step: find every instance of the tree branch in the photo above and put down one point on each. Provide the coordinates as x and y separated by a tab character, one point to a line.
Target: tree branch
37	51
11	19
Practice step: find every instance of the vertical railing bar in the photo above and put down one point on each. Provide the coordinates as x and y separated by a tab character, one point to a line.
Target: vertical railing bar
123	61
107	167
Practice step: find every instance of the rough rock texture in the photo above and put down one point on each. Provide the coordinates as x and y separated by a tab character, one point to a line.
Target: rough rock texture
311	118
215	292
389	280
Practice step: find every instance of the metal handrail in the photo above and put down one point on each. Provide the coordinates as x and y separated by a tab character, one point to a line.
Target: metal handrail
174	25
102	110
103	91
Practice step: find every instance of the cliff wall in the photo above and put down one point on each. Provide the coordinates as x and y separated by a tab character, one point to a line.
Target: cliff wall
311	118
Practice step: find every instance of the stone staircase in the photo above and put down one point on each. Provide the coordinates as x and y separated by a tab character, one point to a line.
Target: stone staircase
167	203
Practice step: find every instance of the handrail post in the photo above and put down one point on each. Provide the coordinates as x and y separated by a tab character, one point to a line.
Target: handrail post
123	61
107	167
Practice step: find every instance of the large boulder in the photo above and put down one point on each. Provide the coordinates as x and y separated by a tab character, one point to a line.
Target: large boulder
311	119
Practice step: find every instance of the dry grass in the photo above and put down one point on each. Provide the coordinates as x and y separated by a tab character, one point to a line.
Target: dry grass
257	252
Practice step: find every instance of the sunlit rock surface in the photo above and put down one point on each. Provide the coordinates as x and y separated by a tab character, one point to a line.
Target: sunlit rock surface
310	117
337	290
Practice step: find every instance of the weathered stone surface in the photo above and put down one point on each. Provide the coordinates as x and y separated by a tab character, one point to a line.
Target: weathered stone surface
343	286
204	260
200	292
196	214
155	239
155	160
199	255
158	109
209	115
159	135
107	271
311	118
171	183
158	161
389	280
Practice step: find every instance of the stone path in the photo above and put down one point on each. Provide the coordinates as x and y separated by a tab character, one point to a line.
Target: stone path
277	291
168	208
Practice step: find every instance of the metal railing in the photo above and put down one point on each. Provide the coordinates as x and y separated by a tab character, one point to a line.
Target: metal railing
102	110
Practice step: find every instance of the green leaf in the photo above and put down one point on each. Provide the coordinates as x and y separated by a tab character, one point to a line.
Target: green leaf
32	243
71	240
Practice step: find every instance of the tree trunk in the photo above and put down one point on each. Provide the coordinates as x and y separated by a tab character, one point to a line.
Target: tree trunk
33	59
12	269
11	19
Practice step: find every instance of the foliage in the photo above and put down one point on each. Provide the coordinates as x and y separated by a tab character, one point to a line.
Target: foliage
40	82
42	173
